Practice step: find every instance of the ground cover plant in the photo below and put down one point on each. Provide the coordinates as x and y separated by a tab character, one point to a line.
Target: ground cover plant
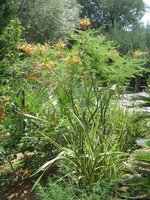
59	107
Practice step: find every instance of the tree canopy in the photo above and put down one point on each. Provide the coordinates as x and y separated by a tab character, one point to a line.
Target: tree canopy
48	19
7	10
106	12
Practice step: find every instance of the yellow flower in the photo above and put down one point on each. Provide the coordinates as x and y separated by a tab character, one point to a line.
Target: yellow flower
48	65
28	49
40	49
74	60
60	45
57	53
84	22
137	53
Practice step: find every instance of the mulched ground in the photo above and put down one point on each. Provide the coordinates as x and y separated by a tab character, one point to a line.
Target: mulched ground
20	191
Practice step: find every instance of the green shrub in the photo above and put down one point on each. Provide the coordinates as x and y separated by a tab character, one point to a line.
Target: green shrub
10	38
59	191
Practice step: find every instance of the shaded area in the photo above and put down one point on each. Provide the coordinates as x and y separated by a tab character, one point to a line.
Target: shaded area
20	191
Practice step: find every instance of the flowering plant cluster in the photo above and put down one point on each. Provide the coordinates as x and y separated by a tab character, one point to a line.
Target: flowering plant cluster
62	91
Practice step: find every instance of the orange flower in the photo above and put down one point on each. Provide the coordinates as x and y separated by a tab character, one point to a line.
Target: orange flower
27	173
6	99
32	78
53	123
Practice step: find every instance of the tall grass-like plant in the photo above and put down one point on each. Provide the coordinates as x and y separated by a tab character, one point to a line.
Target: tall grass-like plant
91	152
95	145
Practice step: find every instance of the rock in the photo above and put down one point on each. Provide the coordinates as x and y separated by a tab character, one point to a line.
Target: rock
131	102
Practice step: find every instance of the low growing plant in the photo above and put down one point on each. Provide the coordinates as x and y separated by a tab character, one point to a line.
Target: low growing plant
59	191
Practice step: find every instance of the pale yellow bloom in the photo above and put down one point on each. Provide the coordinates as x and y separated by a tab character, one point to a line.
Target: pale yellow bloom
137	53
84	22
74	60
60	45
